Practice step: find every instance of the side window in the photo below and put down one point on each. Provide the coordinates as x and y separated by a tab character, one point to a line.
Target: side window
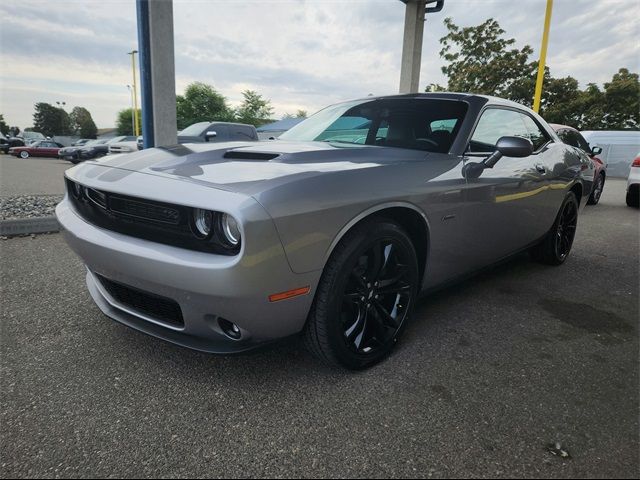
446	125
583	144
537	136
494	124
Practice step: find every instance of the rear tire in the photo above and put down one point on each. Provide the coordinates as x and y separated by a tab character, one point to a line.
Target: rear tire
633	197
556	245
594	198
365	297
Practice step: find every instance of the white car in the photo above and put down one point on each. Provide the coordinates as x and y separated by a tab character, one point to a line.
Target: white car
633	184
122	147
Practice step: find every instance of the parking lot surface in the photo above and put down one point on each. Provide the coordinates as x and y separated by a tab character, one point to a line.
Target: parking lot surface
489	373
32	176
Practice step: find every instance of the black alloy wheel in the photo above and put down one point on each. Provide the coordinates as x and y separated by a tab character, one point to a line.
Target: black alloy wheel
365	297
377	297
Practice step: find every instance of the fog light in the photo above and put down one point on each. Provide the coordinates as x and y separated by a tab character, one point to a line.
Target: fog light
230	329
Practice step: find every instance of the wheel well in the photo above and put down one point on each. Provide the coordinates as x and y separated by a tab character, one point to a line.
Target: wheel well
415	226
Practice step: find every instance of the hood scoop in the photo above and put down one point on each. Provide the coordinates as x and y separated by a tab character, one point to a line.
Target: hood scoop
244	155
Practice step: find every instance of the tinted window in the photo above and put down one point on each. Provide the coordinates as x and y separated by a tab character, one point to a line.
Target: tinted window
494	124
573	138
401	123
194	130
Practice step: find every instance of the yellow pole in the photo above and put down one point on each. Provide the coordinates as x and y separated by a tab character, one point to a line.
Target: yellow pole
136	120
543	57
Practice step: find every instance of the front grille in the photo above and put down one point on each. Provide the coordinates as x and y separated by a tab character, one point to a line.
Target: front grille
155	306
138	217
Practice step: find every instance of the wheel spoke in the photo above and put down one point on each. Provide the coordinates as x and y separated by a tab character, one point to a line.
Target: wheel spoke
385	316
395	289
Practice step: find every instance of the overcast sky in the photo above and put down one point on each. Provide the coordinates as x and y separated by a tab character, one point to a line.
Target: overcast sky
300	54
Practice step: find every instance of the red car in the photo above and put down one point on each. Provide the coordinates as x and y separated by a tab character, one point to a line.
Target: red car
41	148
571	136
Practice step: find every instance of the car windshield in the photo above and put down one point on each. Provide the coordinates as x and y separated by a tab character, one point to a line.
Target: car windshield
415	123
194	130
117	139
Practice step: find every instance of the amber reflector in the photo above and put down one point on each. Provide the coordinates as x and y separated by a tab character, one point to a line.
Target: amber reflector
289	294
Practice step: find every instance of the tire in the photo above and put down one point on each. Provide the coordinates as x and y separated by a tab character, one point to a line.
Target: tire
594	198
371	275
24	154
633	197
556	245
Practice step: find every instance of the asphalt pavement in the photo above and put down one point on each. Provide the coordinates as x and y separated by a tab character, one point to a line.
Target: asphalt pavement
490	372
32	176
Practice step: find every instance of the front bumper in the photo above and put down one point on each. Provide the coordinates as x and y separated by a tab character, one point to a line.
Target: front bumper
205	286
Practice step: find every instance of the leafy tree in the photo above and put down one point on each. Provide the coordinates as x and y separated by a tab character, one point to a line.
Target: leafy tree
255	109
480	59
434	87
50	120
201	103
82	123
124	121
4	128
621	101
301	114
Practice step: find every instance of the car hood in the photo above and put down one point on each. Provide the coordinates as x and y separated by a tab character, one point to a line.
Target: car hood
253	167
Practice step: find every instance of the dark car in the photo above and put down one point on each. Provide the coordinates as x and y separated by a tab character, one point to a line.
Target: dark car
98	150
41	148
214	132
573	137
72	153
7	142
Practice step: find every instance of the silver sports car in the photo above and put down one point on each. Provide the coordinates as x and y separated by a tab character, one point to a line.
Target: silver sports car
332	231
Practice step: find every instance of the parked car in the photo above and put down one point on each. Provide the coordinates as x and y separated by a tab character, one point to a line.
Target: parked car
7	142
571	136
72	154
40	148
99	150
81	142
30	137
331	233
214	132
123	147
633	183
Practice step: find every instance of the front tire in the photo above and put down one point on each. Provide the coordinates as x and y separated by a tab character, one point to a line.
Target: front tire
365	297
594	198
24	154
556	245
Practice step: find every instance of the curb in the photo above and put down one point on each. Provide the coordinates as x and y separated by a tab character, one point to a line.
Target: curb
28	226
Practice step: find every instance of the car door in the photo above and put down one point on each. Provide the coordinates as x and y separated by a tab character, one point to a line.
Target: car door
48	149
511	200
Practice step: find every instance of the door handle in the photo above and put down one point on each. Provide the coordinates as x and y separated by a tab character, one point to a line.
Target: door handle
541	168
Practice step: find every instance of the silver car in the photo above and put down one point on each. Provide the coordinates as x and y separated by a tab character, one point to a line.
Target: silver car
333	231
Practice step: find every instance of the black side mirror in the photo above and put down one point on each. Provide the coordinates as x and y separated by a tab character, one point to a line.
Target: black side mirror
596	150
505	147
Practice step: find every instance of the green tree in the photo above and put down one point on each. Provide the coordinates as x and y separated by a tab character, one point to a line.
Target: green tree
201	103
255	109
434	87
480	59
621	101
124	121
4	128
82	123
301	114
50	120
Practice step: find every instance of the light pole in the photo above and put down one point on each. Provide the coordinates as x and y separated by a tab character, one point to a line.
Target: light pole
136	121
133	118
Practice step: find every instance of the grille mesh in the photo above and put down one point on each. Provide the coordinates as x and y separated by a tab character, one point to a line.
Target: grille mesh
155	306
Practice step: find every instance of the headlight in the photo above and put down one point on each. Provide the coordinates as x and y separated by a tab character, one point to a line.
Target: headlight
230	230
202	222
